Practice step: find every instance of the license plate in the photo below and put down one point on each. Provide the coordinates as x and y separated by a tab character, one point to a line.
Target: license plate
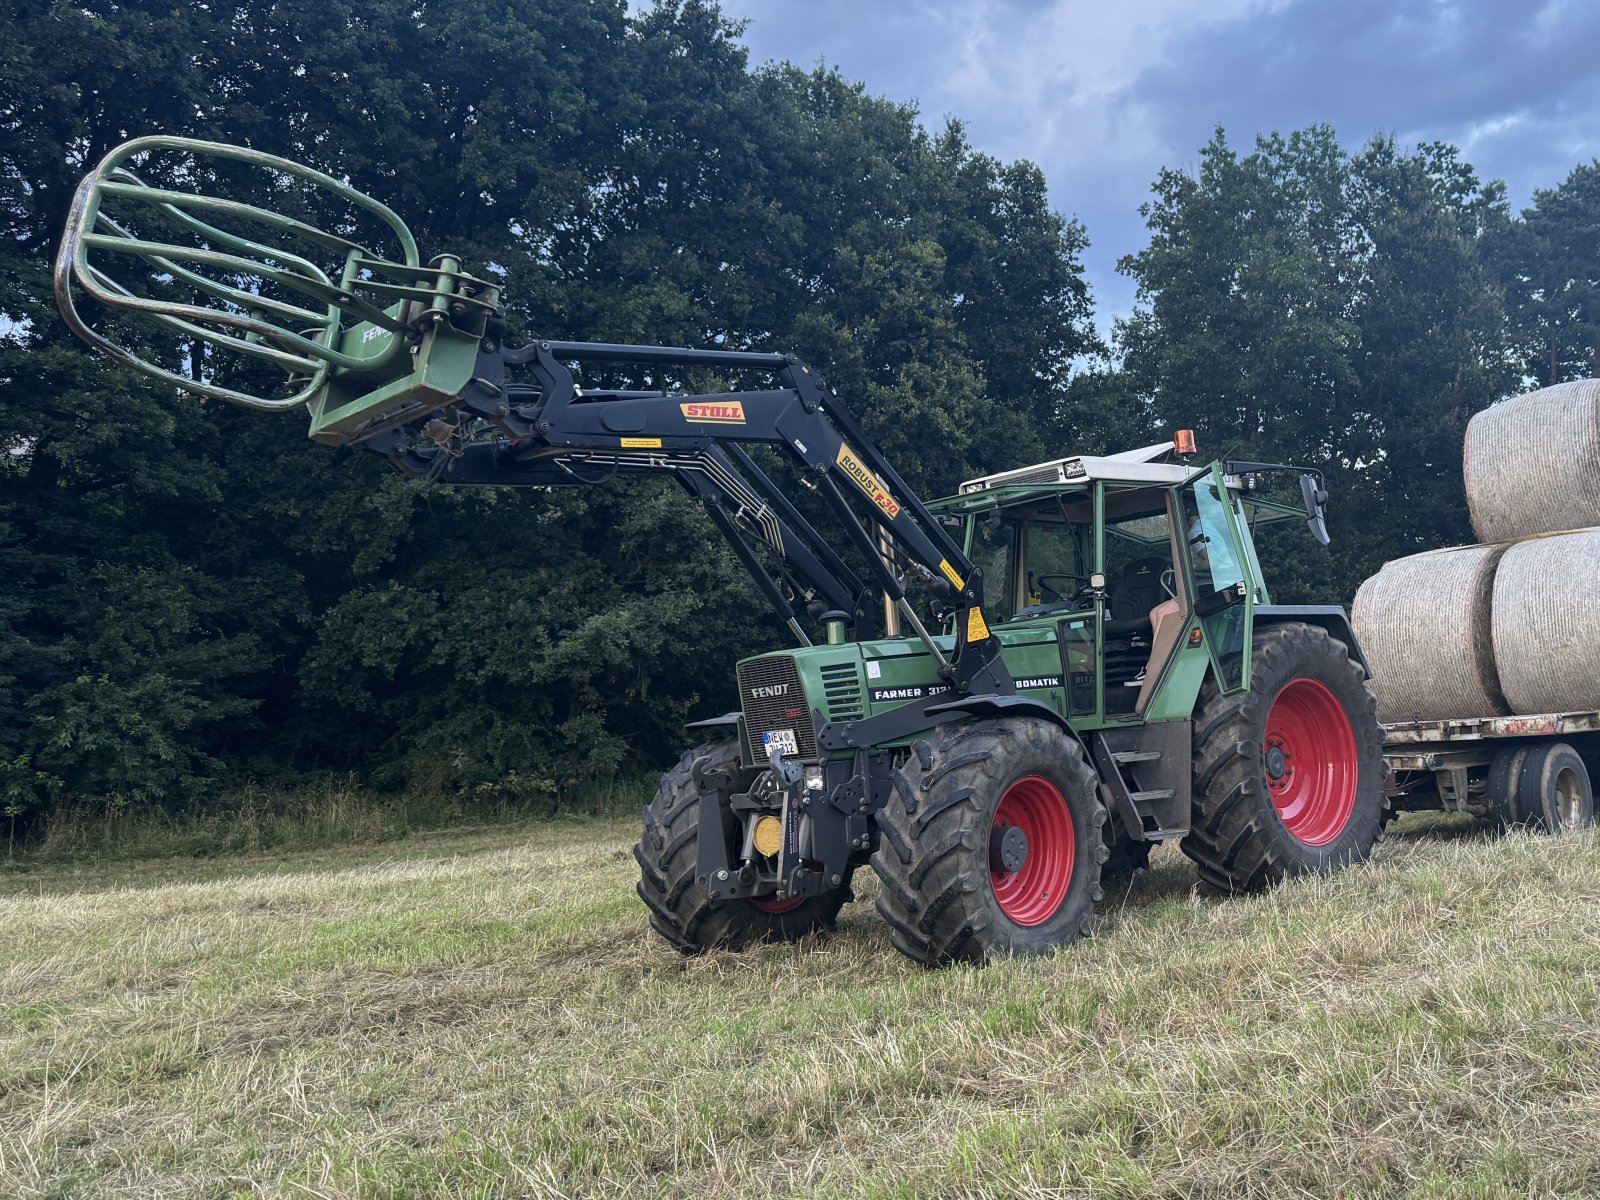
780	739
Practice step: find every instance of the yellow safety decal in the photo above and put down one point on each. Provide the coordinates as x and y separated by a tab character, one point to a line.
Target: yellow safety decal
951	574
726	412
867	482
641	443
976	629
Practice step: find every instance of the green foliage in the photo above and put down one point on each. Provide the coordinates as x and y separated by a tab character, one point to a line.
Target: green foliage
195	592
1551	268
1303	304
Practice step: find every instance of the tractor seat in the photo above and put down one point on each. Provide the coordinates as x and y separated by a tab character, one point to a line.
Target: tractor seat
1136	594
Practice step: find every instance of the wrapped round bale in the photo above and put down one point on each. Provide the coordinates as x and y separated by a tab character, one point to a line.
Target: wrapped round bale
1547	625
1423	622
1532	464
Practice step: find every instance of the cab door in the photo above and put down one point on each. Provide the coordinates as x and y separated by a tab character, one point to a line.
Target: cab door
1220	593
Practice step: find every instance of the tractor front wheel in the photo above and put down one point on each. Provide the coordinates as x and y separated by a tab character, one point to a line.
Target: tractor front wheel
1288	775
680	910
990	843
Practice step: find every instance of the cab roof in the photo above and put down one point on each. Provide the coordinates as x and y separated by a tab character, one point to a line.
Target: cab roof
1134	468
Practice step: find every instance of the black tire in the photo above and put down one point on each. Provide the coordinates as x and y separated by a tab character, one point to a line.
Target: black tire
680	910
1238	838
1124	855
1553	790
939	890
1505	771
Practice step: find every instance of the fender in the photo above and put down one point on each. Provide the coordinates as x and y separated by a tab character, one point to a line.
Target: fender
1330	617
1009	706
727	721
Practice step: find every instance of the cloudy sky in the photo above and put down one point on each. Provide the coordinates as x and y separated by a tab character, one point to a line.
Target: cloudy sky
1103	93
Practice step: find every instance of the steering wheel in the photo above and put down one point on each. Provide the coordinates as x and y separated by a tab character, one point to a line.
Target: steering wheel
1040	582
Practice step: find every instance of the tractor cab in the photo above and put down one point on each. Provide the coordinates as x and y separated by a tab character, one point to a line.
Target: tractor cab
1146	570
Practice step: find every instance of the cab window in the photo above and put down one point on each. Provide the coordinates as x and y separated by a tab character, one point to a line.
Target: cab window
1055	562
992	552
1216	566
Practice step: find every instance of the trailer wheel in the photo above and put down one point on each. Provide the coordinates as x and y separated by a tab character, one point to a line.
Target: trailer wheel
680	910
990	844
1288	775
1553	790
1505	772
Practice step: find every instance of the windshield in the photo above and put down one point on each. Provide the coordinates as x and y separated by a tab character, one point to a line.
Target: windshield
1055	562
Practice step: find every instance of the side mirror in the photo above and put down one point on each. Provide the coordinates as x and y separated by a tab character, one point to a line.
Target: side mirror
1316	499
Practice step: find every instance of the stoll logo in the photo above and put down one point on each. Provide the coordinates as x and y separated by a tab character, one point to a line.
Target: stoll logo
769	692
726	413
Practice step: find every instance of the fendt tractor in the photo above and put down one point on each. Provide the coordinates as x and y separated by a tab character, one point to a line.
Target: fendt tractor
995	699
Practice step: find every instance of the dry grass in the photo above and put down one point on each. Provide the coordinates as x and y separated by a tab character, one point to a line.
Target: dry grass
482	1014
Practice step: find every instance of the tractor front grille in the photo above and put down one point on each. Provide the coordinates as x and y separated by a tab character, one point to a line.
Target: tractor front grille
774	703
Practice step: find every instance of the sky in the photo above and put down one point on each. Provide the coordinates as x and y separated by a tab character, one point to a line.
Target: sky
1102	94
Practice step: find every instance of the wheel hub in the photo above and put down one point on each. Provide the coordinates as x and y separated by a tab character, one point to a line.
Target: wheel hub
1310	762
1008	849
1032	851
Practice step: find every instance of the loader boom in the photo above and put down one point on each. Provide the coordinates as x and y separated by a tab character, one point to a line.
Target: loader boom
410	361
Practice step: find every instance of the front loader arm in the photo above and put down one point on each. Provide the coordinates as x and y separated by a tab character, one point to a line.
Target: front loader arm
409	360
552	433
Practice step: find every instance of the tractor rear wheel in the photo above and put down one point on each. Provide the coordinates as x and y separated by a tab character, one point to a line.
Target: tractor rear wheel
1288	776
680	910
990	844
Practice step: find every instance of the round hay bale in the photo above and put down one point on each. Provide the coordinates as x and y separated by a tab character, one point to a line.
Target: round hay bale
1424	624
1532	464
1546	624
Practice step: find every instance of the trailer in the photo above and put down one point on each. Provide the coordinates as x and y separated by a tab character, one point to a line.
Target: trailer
1518	771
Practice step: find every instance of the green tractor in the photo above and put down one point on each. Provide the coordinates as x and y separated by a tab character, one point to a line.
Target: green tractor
1159	694
994	699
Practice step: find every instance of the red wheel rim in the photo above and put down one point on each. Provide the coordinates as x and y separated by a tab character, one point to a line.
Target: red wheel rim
1033	893
1310	762
774	906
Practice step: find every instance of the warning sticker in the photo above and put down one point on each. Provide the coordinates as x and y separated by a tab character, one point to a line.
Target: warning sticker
727	412
641	443
976	629
867	482
951	574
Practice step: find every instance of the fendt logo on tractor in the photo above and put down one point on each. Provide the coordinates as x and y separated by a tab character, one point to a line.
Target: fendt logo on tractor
1054	652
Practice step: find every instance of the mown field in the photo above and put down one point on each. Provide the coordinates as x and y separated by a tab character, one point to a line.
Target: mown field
482	1014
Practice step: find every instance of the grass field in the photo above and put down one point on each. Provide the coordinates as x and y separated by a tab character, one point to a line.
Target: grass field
483	1014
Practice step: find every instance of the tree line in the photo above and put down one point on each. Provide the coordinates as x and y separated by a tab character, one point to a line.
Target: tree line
191	594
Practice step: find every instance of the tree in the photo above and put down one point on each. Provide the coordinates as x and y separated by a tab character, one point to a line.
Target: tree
1304	304
200	593
1550	262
